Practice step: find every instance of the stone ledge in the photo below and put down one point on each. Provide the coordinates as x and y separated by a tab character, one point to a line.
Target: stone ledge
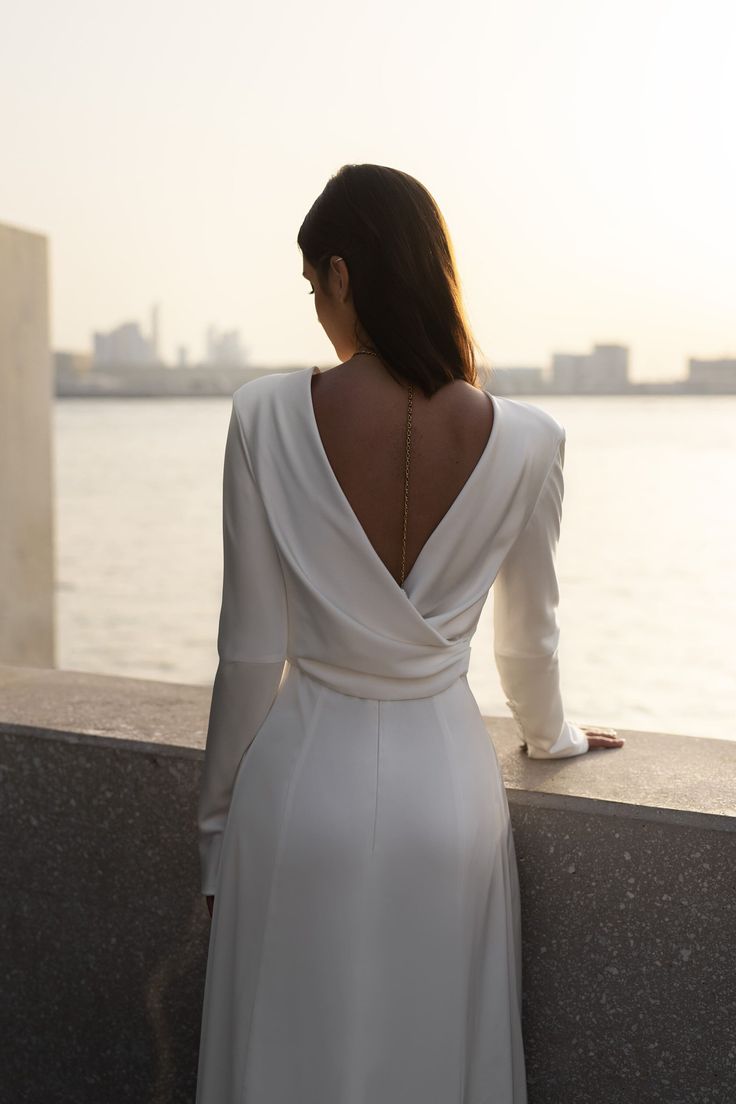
132	713
655	776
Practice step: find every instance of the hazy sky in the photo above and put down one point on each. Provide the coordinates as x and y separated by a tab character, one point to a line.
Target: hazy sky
582	151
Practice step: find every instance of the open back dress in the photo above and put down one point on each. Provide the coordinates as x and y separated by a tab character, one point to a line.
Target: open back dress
365	946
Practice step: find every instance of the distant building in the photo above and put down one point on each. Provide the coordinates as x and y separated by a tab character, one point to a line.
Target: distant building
517	381
568	370
127	345
155	332
224	350
604	370
713	373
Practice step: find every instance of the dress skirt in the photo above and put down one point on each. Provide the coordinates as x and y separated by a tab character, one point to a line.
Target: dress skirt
365	945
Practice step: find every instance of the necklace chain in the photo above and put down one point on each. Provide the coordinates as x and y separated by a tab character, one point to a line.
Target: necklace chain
372	352
406	482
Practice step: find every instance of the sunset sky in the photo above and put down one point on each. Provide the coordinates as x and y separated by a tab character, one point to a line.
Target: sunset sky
582	152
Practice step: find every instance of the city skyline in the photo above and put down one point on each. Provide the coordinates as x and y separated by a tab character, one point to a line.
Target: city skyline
602	370
126	344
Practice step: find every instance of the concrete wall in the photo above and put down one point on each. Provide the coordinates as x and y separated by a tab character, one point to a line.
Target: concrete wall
626	863
26	508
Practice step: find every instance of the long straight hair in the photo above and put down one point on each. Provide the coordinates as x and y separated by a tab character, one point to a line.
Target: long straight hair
406	291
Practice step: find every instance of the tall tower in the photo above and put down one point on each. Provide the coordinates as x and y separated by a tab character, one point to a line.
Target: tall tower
155	333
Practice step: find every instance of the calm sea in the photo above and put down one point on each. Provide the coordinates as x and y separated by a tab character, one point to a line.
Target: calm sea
646	559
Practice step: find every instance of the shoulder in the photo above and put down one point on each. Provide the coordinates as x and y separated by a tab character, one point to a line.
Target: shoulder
262	388
258	396
535	437
265	410
540	427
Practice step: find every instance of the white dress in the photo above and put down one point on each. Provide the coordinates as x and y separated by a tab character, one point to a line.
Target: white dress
365	946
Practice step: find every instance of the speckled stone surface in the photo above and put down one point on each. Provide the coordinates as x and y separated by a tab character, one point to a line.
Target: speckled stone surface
122	712
105	932
626	860
629	961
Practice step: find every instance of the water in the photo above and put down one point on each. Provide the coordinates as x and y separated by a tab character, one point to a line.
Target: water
646	557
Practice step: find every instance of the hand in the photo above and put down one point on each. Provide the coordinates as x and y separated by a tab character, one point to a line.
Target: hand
599	737
210	904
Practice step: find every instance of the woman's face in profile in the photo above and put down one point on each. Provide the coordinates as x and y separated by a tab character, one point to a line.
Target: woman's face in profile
336	317
311	277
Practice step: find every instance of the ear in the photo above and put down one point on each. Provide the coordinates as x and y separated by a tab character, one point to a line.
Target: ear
341	275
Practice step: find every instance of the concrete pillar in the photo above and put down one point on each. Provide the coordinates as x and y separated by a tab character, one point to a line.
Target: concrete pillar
27	623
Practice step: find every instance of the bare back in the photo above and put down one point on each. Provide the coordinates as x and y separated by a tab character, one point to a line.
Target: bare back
360	412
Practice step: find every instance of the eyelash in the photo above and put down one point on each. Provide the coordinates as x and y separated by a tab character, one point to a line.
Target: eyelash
312	292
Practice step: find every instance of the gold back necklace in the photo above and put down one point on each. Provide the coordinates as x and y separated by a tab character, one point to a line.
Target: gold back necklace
372	352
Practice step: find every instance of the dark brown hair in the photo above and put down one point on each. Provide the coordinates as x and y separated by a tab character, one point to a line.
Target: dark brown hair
406	291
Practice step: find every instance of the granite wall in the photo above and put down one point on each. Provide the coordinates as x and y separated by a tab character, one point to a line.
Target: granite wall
626	861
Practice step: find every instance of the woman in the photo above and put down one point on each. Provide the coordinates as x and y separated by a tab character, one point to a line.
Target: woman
365	945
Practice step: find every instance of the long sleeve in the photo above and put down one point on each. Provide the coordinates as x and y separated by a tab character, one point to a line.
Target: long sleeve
251	644
526	631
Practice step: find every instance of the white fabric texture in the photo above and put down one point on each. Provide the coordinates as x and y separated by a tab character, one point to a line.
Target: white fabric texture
365	946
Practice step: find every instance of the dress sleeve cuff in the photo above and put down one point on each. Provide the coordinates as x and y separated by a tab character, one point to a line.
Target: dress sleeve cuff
210	863
571	741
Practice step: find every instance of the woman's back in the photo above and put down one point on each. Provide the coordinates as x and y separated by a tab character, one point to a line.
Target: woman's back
361	414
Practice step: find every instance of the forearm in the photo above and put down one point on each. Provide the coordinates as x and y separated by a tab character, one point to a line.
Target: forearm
532	687
242	696
526	631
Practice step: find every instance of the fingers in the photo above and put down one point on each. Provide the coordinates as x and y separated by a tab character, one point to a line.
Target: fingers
599	736
595	741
